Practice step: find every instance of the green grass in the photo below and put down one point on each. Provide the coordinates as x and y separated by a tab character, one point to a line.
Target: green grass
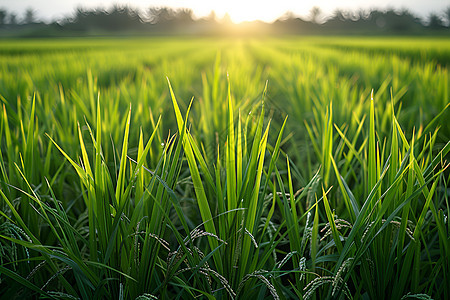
224	168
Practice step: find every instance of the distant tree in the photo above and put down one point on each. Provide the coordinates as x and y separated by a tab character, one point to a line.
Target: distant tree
212	16
80	12
184	15
362	14
434	21
117	18
160	14
314	14
12	19
447	15
122	17
339	14
405	12
400	20
3	15
226	19
29	16
289	15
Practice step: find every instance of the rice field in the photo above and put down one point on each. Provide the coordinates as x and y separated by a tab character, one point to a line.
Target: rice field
225	168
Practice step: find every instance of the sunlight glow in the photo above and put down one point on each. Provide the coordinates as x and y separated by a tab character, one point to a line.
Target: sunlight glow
242	10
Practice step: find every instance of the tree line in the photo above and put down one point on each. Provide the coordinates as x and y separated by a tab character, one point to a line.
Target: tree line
182	21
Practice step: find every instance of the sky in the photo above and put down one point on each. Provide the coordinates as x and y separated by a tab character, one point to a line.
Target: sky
239	10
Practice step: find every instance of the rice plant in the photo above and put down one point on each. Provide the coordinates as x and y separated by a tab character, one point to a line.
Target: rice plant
224	169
